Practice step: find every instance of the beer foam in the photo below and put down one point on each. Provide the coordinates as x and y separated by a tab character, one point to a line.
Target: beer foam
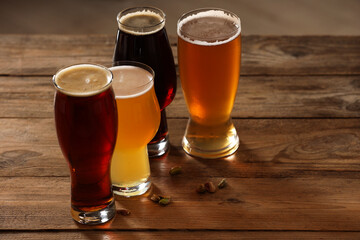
82	80
148	28
218	13
131	81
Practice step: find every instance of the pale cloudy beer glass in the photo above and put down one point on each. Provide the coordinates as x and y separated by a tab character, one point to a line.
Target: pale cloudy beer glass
138	121
209	53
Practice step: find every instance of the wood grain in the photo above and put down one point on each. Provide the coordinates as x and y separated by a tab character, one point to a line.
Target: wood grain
272	55
177	235
269	148
306	55
316	203
257	97
295	175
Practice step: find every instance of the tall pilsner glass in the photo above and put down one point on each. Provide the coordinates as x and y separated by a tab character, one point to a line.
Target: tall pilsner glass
142	37
209	50
138	121
86	125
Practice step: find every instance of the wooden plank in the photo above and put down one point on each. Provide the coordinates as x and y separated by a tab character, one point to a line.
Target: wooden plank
272	55
287	204
257	97
26	97
288	97
44	54
178	235
300	55
269	148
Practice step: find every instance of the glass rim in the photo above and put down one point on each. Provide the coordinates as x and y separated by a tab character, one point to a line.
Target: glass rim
109	75
199	10
135	9
135	64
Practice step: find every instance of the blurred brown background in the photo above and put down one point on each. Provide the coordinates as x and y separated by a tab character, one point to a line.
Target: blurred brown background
270	17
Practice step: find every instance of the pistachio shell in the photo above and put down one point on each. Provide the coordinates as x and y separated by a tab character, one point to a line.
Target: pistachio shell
222	183
155	198
210	187
175	170
201	188
124	212
164	201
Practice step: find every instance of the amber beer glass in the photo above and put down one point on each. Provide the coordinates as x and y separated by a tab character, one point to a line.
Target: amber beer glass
142	37
138	121
86	125
209	50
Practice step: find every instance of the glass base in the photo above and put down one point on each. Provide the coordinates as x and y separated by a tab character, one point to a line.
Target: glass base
210	141
131	191
94	217
160	148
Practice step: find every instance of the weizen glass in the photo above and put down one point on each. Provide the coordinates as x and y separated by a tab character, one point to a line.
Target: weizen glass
209	49
86	125
138	121
142	37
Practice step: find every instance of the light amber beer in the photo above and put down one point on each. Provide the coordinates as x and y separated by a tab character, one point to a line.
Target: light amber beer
138	121
209	50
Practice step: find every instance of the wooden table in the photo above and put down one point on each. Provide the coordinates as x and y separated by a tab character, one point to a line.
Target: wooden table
295	175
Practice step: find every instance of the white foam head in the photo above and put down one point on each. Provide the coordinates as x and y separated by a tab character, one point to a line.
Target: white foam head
210	29
82	80
141	21
131	81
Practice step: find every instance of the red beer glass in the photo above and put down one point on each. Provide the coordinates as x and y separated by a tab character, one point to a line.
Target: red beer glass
86	125
142	37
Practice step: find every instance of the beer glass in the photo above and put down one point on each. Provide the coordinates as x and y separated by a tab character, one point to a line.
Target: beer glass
86	125
142	37
138	121
209	49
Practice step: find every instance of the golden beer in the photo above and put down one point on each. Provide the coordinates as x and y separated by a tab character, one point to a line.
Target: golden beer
138	121
209	50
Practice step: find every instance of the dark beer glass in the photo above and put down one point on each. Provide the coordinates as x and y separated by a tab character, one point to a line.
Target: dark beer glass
86	125
142	37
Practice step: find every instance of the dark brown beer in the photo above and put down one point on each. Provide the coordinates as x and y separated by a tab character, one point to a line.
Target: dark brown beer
142	37
86	124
